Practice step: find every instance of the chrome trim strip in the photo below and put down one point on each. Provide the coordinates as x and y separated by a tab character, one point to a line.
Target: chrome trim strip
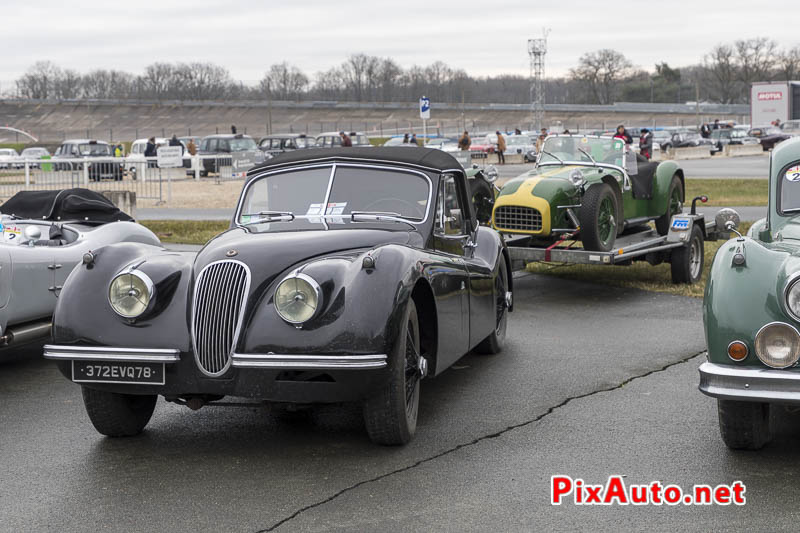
309	362
111	353
730	382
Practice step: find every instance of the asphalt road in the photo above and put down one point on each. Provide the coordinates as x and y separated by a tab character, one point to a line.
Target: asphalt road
594	381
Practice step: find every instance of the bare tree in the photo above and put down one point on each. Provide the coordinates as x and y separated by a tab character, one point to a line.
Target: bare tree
39	81
756	59
789	64
602	71
157	80
722	74
284	81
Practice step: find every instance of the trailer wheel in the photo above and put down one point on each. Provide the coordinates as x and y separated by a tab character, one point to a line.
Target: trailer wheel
687	261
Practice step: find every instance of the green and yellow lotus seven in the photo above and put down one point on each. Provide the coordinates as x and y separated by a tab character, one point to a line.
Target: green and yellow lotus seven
751	313
589	186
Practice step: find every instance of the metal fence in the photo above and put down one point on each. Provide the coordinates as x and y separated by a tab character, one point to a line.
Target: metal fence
140	175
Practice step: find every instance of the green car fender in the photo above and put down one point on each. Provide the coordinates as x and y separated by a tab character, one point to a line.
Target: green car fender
740	300
661	184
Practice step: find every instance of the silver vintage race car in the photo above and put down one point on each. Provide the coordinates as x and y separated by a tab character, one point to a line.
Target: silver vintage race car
43	235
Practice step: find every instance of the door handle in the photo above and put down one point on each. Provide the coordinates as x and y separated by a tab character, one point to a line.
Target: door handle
470	244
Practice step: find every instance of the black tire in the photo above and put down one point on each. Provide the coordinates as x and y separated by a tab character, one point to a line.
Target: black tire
598	231
687	261
482	196
494	343
118	415
743	425
390	416
674	205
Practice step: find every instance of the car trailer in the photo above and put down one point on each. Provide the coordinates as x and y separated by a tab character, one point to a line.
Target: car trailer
682	247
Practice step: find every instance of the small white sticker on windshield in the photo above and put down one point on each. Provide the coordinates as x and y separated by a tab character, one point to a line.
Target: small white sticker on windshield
336	208
793	173
314	209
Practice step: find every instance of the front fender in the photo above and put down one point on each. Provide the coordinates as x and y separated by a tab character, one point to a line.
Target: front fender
664	173
739	300
359	312
83	314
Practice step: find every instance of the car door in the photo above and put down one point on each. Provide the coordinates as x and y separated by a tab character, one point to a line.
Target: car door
449	276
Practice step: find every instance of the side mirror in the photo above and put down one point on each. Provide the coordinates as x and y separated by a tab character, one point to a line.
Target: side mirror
491	173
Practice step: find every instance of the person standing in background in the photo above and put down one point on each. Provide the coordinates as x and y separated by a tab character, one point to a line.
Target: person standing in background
233	129
623	134
501	147
346	141
150	148
464	141
191	147
405	138
646	143
413	139
175	142
540	140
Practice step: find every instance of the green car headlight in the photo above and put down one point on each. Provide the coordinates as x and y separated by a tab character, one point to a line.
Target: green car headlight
792	296
778	345
130	293
297	298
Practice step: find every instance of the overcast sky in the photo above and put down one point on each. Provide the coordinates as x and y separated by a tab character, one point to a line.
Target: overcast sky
483	37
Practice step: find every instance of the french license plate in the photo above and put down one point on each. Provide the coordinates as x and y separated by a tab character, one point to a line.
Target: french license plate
107	372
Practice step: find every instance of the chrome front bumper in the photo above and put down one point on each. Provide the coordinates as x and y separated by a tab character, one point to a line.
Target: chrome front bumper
106	353
729	382
309	362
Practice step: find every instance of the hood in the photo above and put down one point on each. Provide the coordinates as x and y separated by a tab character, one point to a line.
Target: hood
270	249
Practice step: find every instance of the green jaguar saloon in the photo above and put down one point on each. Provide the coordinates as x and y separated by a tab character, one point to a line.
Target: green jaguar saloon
751	313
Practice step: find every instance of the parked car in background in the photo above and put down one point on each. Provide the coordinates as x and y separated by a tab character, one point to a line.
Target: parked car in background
791	127
9	158
481	147
768	136
221	144
444	144
394	141
285	142
43	235
34	152
346	276
331	139
725	136
78	149
751	314
686	139
522	145
660	139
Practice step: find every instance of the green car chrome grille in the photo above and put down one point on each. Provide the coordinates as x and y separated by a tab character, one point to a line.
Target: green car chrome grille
513	217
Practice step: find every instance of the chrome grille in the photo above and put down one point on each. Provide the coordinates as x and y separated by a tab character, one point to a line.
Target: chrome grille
220	294
514	217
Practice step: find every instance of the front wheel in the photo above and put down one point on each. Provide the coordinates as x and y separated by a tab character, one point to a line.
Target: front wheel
390	415
687	261
743	425
674	205
494	343
598	218
118	415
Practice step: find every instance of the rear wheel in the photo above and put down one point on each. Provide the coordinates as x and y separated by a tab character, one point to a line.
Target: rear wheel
598	218
494	342
687	261
743	425
118	415
674	205
390	415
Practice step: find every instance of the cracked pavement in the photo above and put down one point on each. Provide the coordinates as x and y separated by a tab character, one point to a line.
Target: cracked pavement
594	381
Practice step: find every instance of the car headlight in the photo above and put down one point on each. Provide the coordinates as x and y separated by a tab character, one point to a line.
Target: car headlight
297	298
778	345
130	293
792	298
576	177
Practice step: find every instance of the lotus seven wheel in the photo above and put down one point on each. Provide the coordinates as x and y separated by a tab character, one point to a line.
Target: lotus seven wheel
674	205
743	425
494	342
687	261
391	415
118	415
598	218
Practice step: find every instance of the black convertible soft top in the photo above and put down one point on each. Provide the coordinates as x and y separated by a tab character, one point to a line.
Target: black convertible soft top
427	158
66	204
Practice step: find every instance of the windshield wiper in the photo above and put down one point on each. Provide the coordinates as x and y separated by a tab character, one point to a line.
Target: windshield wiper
584	152
554	157
380	216
269	216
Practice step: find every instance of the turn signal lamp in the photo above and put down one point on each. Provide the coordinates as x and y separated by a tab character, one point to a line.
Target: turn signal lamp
737	350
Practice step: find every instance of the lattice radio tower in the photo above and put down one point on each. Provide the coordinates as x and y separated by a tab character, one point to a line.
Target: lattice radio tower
537	48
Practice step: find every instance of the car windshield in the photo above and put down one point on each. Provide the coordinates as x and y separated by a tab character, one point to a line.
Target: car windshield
94	149
569	148
34	152
7	151
242	144
354	189
790	190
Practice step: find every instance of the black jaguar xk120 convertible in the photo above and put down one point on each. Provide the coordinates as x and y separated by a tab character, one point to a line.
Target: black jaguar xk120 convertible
346	275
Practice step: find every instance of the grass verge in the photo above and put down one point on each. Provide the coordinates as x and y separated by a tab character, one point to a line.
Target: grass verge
186	231
640	275
729	191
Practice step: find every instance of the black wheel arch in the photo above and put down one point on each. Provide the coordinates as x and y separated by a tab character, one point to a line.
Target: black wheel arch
423	297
